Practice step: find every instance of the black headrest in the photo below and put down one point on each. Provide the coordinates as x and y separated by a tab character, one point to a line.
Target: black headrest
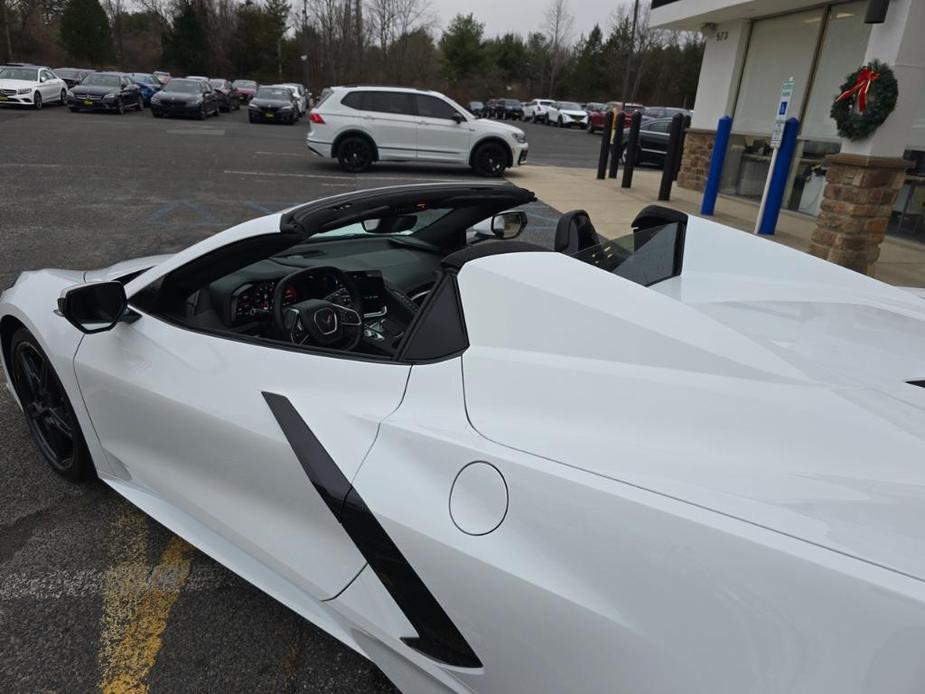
575	232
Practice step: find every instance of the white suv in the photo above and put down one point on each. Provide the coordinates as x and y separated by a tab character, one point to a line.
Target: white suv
360	125
535	110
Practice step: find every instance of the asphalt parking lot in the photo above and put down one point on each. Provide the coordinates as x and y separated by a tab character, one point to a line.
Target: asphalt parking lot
80	567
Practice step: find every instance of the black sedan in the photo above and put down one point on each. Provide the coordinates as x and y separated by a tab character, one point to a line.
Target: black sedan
185	97
106	91
273	105
653	141
476	108
71	75
508	109
228	97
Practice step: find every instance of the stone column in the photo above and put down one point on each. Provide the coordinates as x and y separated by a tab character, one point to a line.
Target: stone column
695	164
859	196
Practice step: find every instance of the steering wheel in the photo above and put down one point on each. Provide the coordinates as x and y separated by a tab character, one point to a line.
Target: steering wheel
319	321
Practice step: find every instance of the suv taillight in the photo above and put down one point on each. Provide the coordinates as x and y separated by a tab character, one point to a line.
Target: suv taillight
316	118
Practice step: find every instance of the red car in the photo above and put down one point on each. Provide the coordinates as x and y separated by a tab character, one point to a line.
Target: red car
246	89
596	116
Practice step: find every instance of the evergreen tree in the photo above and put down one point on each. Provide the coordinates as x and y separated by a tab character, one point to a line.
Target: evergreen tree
461	48
186	45
85	32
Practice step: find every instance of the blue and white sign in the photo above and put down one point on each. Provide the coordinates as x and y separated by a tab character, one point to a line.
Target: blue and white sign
783	109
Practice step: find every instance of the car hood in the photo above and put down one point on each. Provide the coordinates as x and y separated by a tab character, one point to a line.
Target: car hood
126	267
176	96
81	89
16	84
574	114
496	127
763	384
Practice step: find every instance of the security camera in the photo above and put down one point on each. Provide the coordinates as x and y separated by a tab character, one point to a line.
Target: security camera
708	28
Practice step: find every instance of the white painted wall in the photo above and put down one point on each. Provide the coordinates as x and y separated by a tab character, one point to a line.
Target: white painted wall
723	57
691	14
898	42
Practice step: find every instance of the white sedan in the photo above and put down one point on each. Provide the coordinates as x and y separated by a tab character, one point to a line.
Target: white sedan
565	114
688	460
31	86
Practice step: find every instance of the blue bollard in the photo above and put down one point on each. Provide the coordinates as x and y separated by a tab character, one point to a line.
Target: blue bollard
779	177
720	146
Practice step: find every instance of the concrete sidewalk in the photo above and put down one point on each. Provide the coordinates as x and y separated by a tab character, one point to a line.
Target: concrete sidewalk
613	208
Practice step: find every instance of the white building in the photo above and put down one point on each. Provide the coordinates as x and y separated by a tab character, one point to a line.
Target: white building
752	46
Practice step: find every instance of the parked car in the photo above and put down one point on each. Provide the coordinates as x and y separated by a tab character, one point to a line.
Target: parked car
106	91
361	125
300	95
275	104
185	97
164	77
31	85
653	142
654	112
507	109
596	118
228	97
596	112
246	89
535	110
148	84
71	75
201	78
565	114
476	108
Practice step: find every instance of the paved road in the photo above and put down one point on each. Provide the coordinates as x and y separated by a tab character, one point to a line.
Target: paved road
82	572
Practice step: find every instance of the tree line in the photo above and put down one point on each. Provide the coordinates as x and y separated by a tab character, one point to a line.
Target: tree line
325	42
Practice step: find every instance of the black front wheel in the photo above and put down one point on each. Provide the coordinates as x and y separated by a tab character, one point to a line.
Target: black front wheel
120	107
49	414
37	102
490	160
355	154
140	105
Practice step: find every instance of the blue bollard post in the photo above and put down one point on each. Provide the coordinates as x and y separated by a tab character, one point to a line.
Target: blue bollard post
720	147
779	177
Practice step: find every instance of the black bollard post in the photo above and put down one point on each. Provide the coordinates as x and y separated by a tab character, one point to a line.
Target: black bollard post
672	156
632	148
684	128
616	143
605	145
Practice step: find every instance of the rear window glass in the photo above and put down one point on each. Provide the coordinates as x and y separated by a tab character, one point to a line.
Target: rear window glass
646	257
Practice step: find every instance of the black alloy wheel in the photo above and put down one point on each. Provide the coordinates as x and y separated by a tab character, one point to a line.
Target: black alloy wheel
63	97
355	154
141	103
37	102
49	415
120	106
202	112
490	160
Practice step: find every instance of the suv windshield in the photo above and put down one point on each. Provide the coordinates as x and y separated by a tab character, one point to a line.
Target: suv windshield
96	80
144	79
19	73
569	106
645	257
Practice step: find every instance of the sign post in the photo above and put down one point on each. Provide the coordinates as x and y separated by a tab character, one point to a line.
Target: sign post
777	134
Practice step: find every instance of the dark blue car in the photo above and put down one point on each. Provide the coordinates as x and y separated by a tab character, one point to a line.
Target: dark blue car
149	85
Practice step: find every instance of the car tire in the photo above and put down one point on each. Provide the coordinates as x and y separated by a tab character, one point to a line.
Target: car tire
49	414
141	103
63	97
37	101
355	154
202	112
156	114
490	160
120	107
73	109
251	118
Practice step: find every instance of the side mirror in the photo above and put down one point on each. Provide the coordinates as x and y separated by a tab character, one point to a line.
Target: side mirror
390	225
507	225
94	307
457	118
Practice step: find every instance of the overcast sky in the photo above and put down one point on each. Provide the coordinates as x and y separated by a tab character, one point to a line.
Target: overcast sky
524	16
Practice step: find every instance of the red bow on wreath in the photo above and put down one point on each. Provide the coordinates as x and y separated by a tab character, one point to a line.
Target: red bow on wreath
861	87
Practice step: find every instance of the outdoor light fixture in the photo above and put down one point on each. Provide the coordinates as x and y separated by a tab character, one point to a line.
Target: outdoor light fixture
876	11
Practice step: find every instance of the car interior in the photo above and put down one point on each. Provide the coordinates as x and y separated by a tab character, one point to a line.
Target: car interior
354	277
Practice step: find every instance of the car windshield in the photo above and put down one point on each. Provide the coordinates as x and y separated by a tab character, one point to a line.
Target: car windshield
399	225
19	73
65	72
569	106
96	80
247	84
645	257
217	83
145	79
183	86
274	93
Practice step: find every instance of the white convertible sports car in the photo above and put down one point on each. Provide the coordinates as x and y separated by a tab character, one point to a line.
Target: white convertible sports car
690	460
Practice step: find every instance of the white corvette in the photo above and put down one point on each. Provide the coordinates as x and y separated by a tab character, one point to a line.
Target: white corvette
31	86
686	461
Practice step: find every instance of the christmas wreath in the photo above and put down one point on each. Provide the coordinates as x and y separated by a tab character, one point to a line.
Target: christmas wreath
867	97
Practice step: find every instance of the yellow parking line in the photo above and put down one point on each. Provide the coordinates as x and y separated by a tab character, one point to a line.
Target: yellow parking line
134	654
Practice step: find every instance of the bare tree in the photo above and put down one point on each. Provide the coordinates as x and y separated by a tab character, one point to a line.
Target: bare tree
114	10
559	25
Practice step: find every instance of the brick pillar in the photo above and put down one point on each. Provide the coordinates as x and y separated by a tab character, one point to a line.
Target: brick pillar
695	164
859	196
